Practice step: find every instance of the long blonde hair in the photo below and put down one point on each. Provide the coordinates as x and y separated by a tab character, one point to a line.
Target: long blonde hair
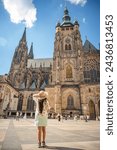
41	104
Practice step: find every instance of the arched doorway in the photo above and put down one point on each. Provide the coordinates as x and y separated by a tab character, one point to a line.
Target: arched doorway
92	112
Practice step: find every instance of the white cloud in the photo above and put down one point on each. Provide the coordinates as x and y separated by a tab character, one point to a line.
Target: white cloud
3	41
78	2
21	11
84	20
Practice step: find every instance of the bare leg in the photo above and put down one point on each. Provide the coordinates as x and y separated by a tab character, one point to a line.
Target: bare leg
44	136
44	133
39	134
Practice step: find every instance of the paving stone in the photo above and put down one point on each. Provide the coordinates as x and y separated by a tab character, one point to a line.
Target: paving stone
11	141
66	135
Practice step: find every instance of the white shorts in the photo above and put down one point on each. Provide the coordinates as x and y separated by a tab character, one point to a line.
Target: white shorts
41	120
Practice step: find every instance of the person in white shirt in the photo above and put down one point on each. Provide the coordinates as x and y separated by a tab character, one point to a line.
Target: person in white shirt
41	115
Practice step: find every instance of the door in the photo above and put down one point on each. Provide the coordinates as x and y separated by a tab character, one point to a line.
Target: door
92	112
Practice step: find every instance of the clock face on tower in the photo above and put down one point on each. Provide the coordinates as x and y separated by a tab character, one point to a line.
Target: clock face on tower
67	40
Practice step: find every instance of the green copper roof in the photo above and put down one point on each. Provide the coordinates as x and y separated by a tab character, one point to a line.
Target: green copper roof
66	18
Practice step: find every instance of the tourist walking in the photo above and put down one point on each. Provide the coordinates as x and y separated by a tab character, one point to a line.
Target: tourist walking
59	117
76	118
41	115
17	116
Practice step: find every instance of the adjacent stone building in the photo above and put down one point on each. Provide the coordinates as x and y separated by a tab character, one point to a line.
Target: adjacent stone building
71	77
8	97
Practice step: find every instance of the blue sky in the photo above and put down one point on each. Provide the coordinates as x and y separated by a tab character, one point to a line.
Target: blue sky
41	20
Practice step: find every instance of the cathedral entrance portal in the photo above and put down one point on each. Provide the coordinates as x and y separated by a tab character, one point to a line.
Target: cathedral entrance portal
92	112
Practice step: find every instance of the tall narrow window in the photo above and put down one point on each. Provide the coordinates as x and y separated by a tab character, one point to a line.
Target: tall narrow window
69	46
20	102
30	104
69	72
70	102
93	75
65	46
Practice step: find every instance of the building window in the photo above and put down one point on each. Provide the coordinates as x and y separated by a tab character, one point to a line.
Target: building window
87	76
30	104
69	72
66	47
69	46
70	102
20	103
93	75
89	90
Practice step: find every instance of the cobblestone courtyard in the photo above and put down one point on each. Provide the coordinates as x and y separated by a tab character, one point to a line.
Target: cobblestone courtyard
66	135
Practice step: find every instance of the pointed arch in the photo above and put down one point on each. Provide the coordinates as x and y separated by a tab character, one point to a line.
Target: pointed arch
69	46
20	102
30	104
70	102
68	43
66	47
91	72
92	112
69	73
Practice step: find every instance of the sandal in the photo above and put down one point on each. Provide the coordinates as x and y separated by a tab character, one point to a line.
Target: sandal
39	145
44	144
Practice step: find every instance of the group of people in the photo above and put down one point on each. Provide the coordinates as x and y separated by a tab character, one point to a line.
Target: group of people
19	115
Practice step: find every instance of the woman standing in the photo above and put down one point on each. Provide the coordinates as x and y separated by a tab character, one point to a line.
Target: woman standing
42	106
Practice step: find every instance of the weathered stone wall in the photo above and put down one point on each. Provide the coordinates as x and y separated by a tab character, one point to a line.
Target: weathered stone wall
90	92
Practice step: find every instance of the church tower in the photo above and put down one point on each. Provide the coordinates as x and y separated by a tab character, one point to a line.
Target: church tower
19	62
67	60
67	65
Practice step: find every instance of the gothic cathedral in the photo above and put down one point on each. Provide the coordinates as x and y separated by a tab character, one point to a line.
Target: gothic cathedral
71	77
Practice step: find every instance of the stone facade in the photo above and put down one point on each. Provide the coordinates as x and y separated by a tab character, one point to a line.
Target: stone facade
8	97
71	77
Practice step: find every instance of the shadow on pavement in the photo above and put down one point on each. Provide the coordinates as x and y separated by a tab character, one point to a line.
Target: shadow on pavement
62	148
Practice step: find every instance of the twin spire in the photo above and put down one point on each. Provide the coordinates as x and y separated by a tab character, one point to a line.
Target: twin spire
66	22
23	40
